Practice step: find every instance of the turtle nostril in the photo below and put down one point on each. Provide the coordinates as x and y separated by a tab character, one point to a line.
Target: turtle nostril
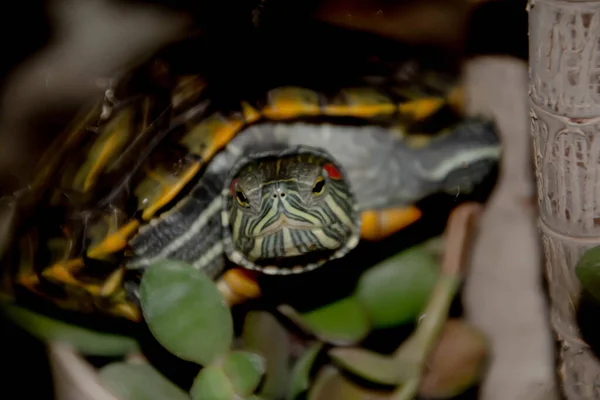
282	195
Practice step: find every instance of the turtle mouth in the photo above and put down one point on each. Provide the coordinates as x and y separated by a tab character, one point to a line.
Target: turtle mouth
283	222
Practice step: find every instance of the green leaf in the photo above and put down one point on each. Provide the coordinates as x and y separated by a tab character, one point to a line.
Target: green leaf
85	341
139	382
396	290
588	271
342	322
212	383
435	246
367	364
301	371
186	312
244	370
263	334
331	385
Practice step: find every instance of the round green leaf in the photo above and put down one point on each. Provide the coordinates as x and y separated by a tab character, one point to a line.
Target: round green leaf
85	341
212	383
186	312
342	322
263	334
588	271
244	370
396	290
139	382
301	372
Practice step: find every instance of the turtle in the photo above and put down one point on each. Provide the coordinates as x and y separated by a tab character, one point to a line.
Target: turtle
281	184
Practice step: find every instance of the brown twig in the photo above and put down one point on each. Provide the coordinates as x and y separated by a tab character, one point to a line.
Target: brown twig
459	234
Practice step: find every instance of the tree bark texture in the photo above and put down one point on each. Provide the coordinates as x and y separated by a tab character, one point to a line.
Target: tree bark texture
564	95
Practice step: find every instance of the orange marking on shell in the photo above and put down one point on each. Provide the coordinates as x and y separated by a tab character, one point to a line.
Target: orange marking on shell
113	283
63	271
421	108
358	110
289	102
29	281
112	145
215	133
115	241
221	136
360	102
379	224
169	192
250	113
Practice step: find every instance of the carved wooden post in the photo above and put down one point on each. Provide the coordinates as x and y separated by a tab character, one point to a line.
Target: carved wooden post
564	90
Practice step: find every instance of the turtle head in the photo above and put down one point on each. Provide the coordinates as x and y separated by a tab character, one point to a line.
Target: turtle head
290	212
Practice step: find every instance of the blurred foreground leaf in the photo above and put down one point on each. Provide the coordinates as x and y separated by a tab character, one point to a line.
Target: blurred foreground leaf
85	341
396	290
588	271
457	362
301	371
212	383
372	366
435	247
263	334
331	385
244	370
186	312
342	322
139	382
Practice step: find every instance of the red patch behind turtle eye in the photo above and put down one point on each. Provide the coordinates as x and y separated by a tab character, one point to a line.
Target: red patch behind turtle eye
232	187
332	171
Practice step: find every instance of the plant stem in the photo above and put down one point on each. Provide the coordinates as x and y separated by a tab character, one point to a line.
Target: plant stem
407	391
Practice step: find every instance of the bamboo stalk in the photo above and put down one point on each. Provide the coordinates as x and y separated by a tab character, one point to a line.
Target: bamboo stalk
564	103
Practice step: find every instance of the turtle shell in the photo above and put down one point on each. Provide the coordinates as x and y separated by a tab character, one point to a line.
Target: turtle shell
105	187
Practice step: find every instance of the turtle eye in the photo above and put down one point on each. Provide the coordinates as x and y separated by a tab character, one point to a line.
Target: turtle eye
319	186
241	198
